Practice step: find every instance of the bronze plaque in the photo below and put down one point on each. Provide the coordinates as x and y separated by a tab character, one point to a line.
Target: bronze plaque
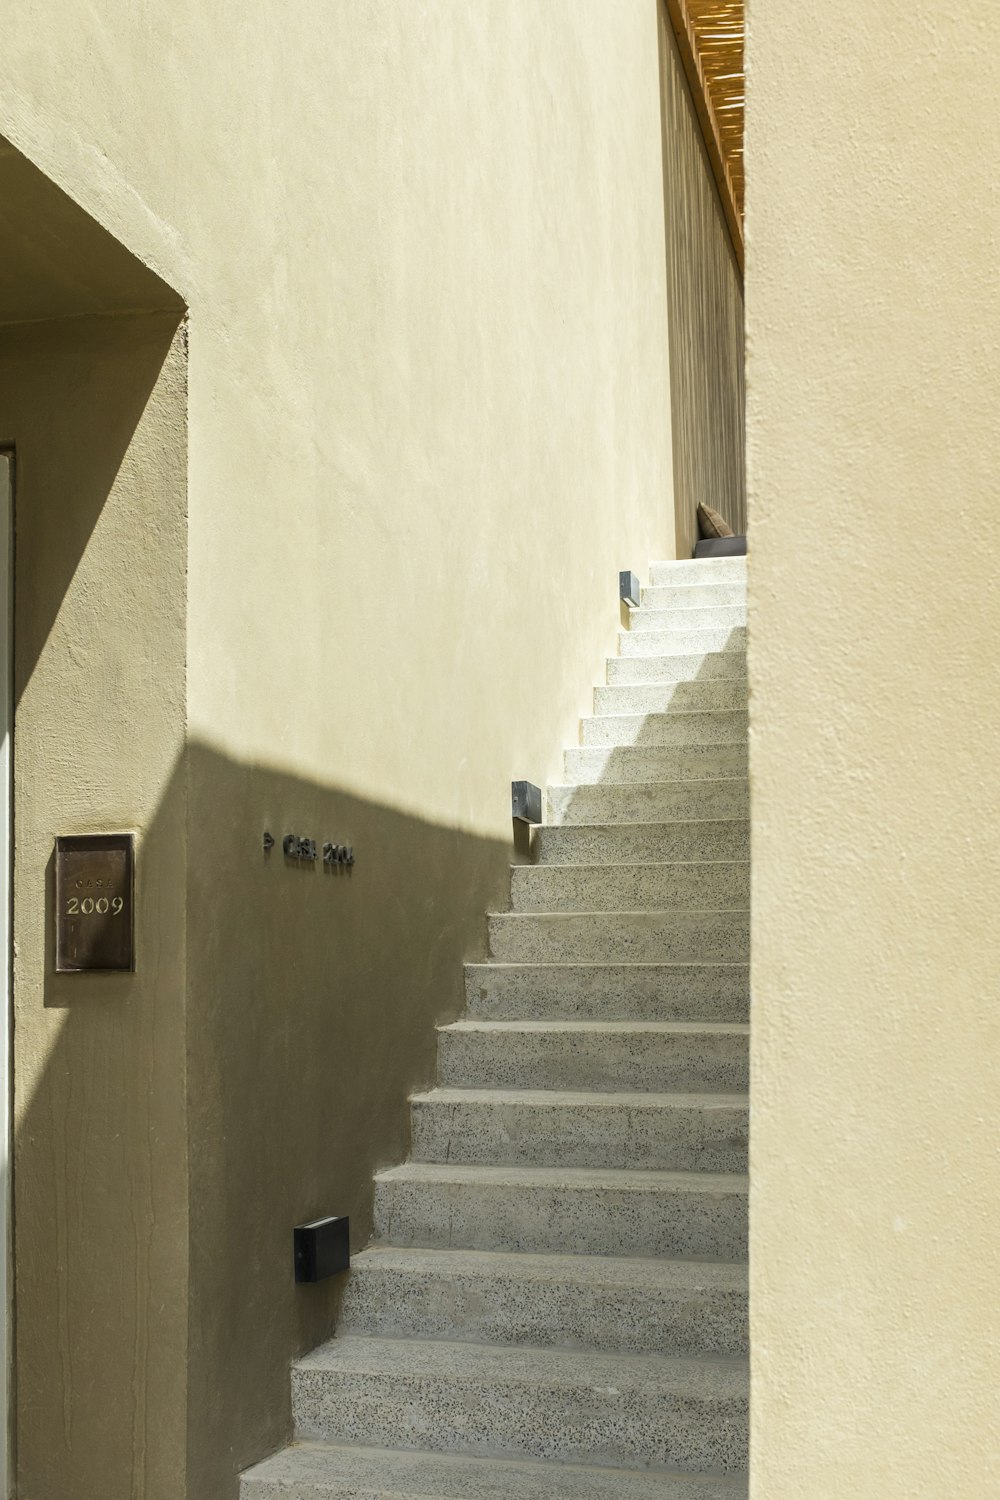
95	902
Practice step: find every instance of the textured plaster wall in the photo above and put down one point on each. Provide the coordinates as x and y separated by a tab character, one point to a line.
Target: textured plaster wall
873	445
705	298
97	407
423	250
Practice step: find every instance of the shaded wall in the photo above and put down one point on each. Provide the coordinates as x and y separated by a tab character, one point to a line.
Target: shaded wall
97	409
705	299
303	1059
875	717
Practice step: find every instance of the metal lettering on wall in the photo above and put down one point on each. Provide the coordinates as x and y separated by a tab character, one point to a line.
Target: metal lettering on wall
298	847
95	902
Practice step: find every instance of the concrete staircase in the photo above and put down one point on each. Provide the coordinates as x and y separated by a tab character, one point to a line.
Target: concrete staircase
556	1304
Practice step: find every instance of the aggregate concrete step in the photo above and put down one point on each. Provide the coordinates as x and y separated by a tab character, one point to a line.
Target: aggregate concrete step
672	697
586	1408
629	763
608	992
671	1132
673	666
701	727
564	1301
651	802
698	570
564	1211
682	641
642	843
690	617
695	1056
694	595
688	885
620	937
333	1471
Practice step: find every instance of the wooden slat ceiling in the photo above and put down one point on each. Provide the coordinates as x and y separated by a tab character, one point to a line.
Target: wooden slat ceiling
710	35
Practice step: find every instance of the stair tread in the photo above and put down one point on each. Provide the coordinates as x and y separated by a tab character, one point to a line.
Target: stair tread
719	1375
681	1276
315	1471
636	864
670	780
652	607
646	913
589	1098
603	1028
672	715
618	1178
590	965
645	828
681	782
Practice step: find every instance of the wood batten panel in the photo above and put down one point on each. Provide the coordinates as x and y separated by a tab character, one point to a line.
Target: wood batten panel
710	35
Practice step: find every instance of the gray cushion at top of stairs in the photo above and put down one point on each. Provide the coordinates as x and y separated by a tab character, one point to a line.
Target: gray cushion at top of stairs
721	546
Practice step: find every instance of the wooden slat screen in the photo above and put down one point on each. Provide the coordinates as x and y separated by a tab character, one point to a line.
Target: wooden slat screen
710	36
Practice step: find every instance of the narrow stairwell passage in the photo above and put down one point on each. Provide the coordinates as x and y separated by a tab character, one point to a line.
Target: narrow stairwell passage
555	1307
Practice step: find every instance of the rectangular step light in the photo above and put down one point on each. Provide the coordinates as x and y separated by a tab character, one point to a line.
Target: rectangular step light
628	588
322	1248
525	802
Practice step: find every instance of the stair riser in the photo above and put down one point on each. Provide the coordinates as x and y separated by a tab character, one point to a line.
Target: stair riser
713	617
672	697
639	937
521	1420
640	763
686	887
560	1220
624	802
705	1138
699	570
641	843
606	1061
698	667
682	642
613	1319
608	992
669	729
694	595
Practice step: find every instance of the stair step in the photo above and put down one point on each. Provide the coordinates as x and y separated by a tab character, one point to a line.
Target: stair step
699	1056
665	1132
672	697
631	763
714	726
682	641
711	800
690	617
565	1301
642	843
585	1408
332	1471
677	666
564	1211
707	885
696	595
698	570
599	992
620	937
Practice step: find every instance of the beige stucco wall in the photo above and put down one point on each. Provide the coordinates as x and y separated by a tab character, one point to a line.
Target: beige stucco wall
705	300
873	454
423	251
97	408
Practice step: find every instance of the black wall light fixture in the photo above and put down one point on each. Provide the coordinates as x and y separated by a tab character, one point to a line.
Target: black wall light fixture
322	1248
629	589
